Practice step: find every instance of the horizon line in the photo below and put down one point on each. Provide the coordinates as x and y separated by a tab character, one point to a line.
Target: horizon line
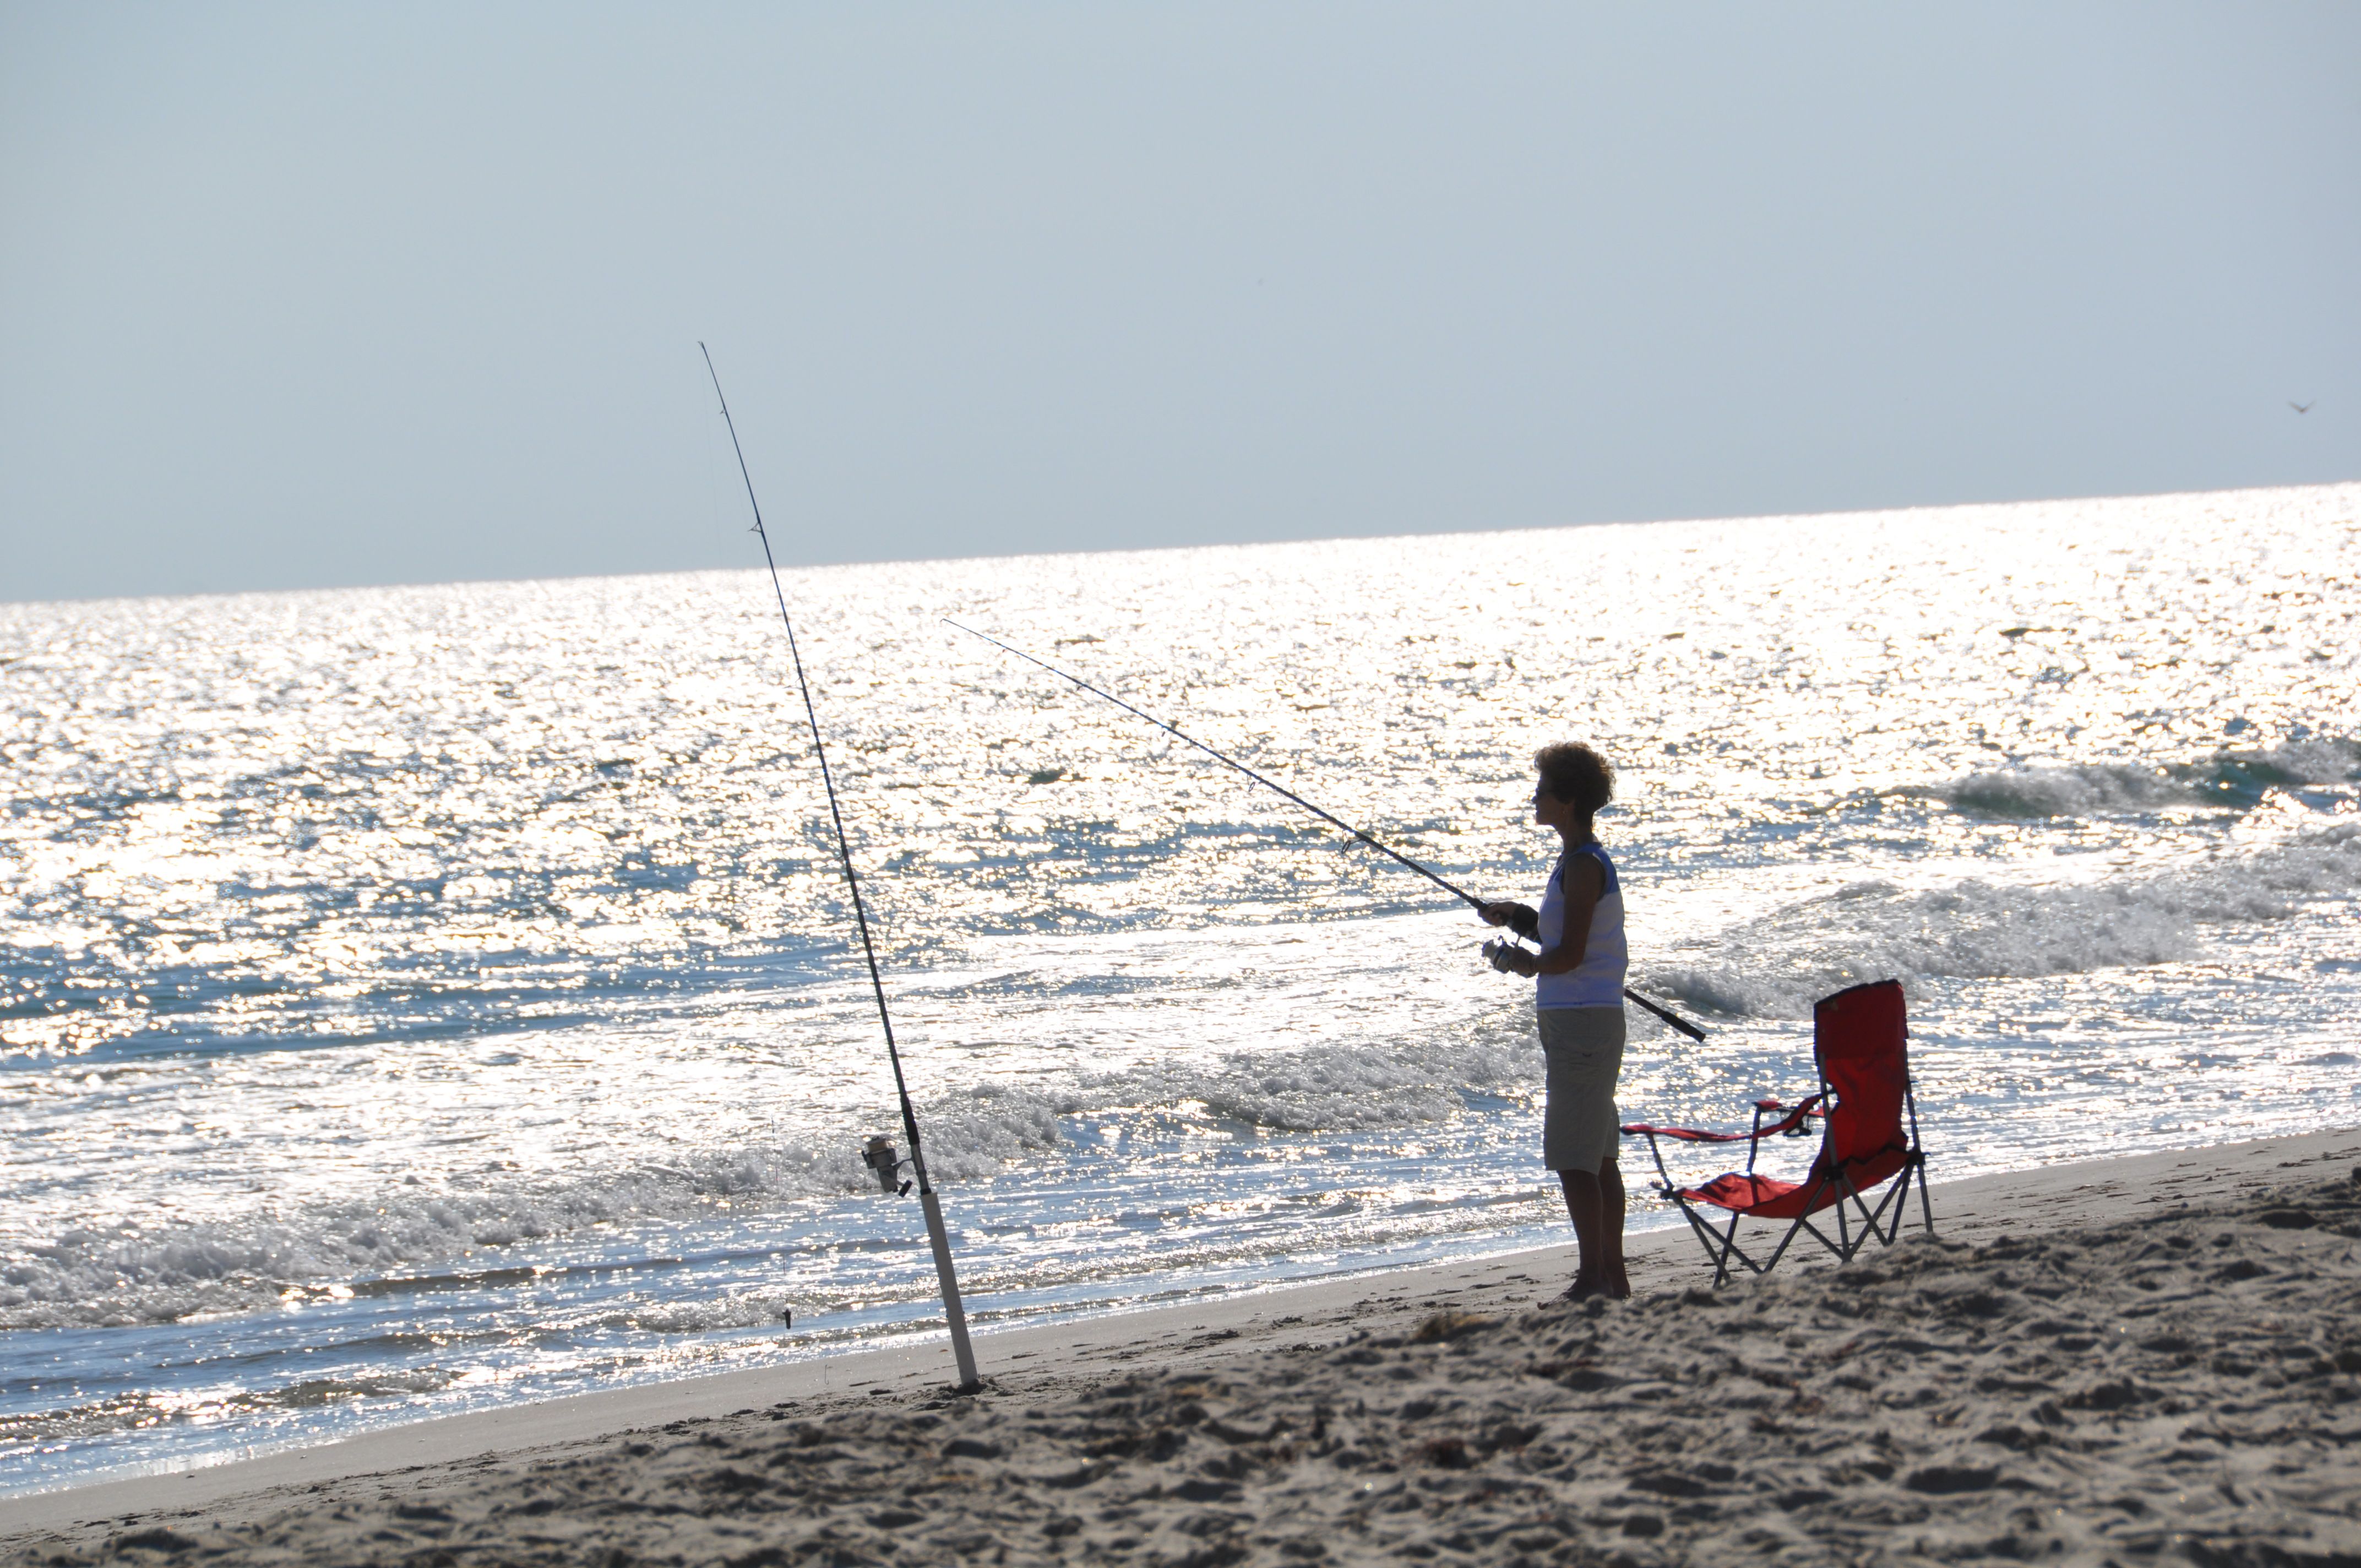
1854	512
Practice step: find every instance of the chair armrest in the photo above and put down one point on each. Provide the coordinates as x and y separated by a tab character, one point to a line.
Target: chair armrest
1686	1134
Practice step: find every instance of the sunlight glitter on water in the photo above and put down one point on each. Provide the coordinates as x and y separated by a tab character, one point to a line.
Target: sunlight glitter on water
417	998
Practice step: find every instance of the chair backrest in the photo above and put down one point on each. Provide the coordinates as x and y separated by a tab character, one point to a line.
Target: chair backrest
1861	1037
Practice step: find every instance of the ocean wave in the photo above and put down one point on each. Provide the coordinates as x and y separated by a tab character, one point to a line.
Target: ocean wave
119	1278
1772	967
2232	779
87	1277
1980	930
750	1310
2082	791
1338	1088
147	1412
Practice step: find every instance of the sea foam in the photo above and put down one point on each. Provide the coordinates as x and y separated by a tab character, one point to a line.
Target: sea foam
1978	929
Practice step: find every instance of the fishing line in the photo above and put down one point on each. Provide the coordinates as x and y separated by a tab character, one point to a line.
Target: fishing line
1670	1017
884	1169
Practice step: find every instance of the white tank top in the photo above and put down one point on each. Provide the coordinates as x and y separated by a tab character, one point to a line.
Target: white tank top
1598	982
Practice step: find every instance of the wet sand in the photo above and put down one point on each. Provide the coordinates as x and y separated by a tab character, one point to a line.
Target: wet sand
2151	1359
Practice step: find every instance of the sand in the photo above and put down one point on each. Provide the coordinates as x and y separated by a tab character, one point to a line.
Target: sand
2137	1361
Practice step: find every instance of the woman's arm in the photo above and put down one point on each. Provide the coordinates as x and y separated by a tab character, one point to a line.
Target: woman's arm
1519	917
1585	882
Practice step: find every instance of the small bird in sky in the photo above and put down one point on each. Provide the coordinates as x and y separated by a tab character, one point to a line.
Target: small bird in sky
2301	408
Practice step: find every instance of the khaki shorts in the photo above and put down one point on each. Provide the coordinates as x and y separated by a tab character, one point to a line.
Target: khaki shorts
1585	1049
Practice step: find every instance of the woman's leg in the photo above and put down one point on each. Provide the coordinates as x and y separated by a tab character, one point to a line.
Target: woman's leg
1610	1229
1595	1204
1583	1048
1583	1206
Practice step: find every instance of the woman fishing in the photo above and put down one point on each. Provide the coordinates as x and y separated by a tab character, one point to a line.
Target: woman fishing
1578	1004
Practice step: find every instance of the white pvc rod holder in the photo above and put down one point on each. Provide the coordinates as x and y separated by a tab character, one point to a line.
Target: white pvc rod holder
960	1349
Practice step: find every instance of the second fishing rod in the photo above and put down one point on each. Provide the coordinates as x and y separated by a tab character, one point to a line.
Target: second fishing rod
1668	1016
879	1157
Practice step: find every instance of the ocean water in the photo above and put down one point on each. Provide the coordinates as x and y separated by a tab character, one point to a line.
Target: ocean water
417	999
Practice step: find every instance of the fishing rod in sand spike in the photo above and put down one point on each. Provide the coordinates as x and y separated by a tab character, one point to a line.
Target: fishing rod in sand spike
879	1154
1665	1014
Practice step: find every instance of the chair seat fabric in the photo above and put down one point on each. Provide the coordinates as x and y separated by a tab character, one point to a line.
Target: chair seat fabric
1744	1194
1768	1197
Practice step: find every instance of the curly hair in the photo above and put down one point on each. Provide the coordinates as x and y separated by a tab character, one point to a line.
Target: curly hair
1576	774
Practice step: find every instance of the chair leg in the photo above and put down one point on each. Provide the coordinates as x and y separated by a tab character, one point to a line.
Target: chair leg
1742	1256
1705	1236
1885	1221
1898	1199
1804	1222
1847	1242
1852	1234
1868	1217
1926	1205
1728	1246
1902	1200
1821	1236
1794	1229
1717	1248
1740	1252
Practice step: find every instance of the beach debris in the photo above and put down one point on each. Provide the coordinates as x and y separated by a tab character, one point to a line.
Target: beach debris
1448	1324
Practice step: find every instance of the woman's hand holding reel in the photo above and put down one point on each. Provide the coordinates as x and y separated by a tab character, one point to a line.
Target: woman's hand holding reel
1502	952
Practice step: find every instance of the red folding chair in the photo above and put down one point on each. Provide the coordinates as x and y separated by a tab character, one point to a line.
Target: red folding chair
1860	1039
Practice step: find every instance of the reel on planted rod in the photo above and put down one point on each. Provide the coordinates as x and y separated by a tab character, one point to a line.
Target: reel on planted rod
885	1164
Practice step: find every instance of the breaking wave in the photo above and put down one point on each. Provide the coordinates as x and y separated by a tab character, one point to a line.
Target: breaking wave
1770	967
118	1279
1874	930
2231	779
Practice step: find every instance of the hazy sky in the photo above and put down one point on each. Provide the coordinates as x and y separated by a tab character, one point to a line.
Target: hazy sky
331	294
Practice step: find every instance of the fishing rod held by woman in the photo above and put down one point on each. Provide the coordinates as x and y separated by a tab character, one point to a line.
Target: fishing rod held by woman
1578	1006
1517	917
